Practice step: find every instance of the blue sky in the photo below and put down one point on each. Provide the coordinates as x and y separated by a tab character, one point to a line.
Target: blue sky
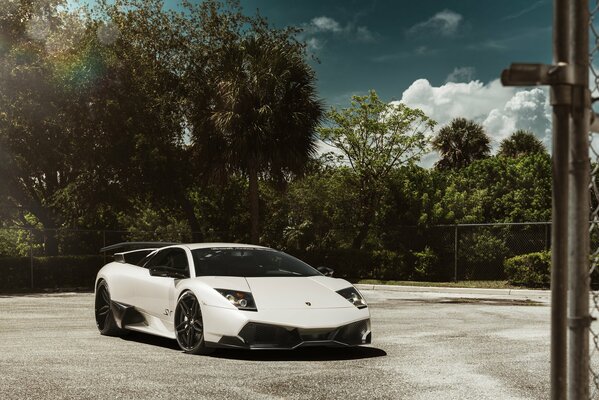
386	45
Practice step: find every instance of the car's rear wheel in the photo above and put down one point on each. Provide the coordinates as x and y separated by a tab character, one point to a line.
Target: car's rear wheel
104	318
189	325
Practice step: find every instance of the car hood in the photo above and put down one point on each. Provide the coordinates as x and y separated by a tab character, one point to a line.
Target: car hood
314	292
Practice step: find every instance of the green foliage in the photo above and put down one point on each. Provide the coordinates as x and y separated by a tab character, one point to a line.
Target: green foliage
375	138
460	143
521	143
531	270
515	190
426	263
483	252
147	224
387	264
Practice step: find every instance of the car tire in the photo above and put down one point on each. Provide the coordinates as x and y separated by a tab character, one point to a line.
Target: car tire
104	317
189	325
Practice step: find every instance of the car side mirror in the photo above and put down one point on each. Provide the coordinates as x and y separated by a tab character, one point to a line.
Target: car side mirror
326	271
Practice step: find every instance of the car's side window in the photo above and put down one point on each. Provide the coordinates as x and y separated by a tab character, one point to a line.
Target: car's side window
157	259
144	263
174	260
177	259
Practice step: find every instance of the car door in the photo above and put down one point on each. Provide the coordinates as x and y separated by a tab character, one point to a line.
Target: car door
156	294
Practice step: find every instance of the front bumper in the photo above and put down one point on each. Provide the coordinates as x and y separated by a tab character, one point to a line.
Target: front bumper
265	336
285	328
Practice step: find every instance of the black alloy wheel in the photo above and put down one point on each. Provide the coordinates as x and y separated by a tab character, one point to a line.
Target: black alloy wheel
104	317
189	326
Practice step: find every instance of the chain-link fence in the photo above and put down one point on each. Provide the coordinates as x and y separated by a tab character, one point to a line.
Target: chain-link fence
36	258
594	185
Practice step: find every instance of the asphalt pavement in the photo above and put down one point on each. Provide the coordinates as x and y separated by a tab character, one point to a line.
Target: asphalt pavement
426	345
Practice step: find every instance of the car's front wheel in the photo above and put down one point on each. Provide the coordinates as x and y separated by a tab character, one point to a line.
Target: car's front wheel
189	325
104	318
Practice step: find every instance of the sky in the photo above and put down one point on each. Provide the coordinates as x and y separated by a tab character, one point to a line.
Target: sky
444	57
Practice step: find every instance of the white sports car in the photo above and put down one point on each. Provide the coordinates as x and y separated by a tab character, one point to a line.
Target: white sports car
210	295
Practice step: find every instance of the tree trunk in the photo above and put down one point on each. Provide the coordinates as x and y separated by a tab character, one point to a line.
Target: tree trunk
50	243
367	213
48	232
361	236
254	204
192	220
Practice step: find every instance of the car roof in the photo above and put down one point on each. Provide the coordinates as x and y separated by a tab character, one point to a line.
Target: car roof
194	246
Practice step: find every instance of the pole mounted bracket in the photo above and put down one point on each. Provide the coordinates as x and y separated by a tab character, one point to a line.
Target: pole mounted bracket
580	322
523	74
561	77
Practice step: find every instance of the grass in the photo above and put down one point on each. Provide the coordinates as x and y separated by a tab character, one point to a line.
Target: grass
459	284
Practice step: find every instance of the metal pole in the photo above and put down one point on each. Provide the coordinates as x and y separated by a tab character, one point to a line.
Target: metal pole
31	256
455	254
578	298
561	101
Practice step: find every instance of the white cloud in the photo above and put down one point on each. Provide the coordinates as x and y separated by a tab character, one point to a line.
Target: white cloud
526	10
314	43
527	109
461	74
325	24
444	22
363	34
500	110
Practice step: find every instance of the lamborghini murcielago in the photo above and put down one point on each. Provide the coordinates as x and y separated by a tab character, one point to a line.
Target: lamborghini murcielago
211	295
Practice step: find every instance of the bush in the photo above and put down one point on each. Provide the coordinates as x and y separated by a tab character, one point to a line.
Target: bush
387	264
347	263
49	272
354	264
482	254
532	269
425	264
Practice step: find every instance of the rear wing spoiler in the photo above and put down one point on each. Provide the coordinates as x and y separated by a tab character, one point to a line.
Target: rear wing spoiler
134	251
132	257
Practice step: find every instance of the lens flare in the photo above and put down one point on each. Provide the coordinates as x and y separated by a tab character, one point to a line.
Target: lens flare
80	70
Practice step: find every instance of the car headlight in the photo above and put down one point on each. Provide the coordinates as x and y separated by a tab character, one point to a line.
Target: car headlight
352	295
241	300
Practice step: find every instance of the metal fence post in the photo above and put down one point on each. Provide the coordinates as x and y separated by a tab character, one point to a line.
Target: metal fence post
561	99
578	311
31	256
455	254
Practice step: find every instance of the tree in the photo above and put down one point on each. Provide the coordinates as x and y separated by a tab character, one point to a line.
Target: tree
519	144
266	112
375	137
511	189
153	49
76	140
460	143
37	118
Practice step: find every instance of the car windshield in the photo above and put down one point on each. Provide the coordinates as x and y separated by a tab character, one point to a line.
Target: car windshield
248	262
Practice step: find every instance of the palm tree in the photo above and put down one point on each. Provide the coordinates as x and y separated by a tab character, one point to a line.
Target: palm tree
460	143
266	111
521	143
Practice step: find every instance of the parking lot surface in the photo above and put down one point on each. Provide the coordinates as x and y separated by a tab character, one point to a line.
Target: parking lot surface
425	346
